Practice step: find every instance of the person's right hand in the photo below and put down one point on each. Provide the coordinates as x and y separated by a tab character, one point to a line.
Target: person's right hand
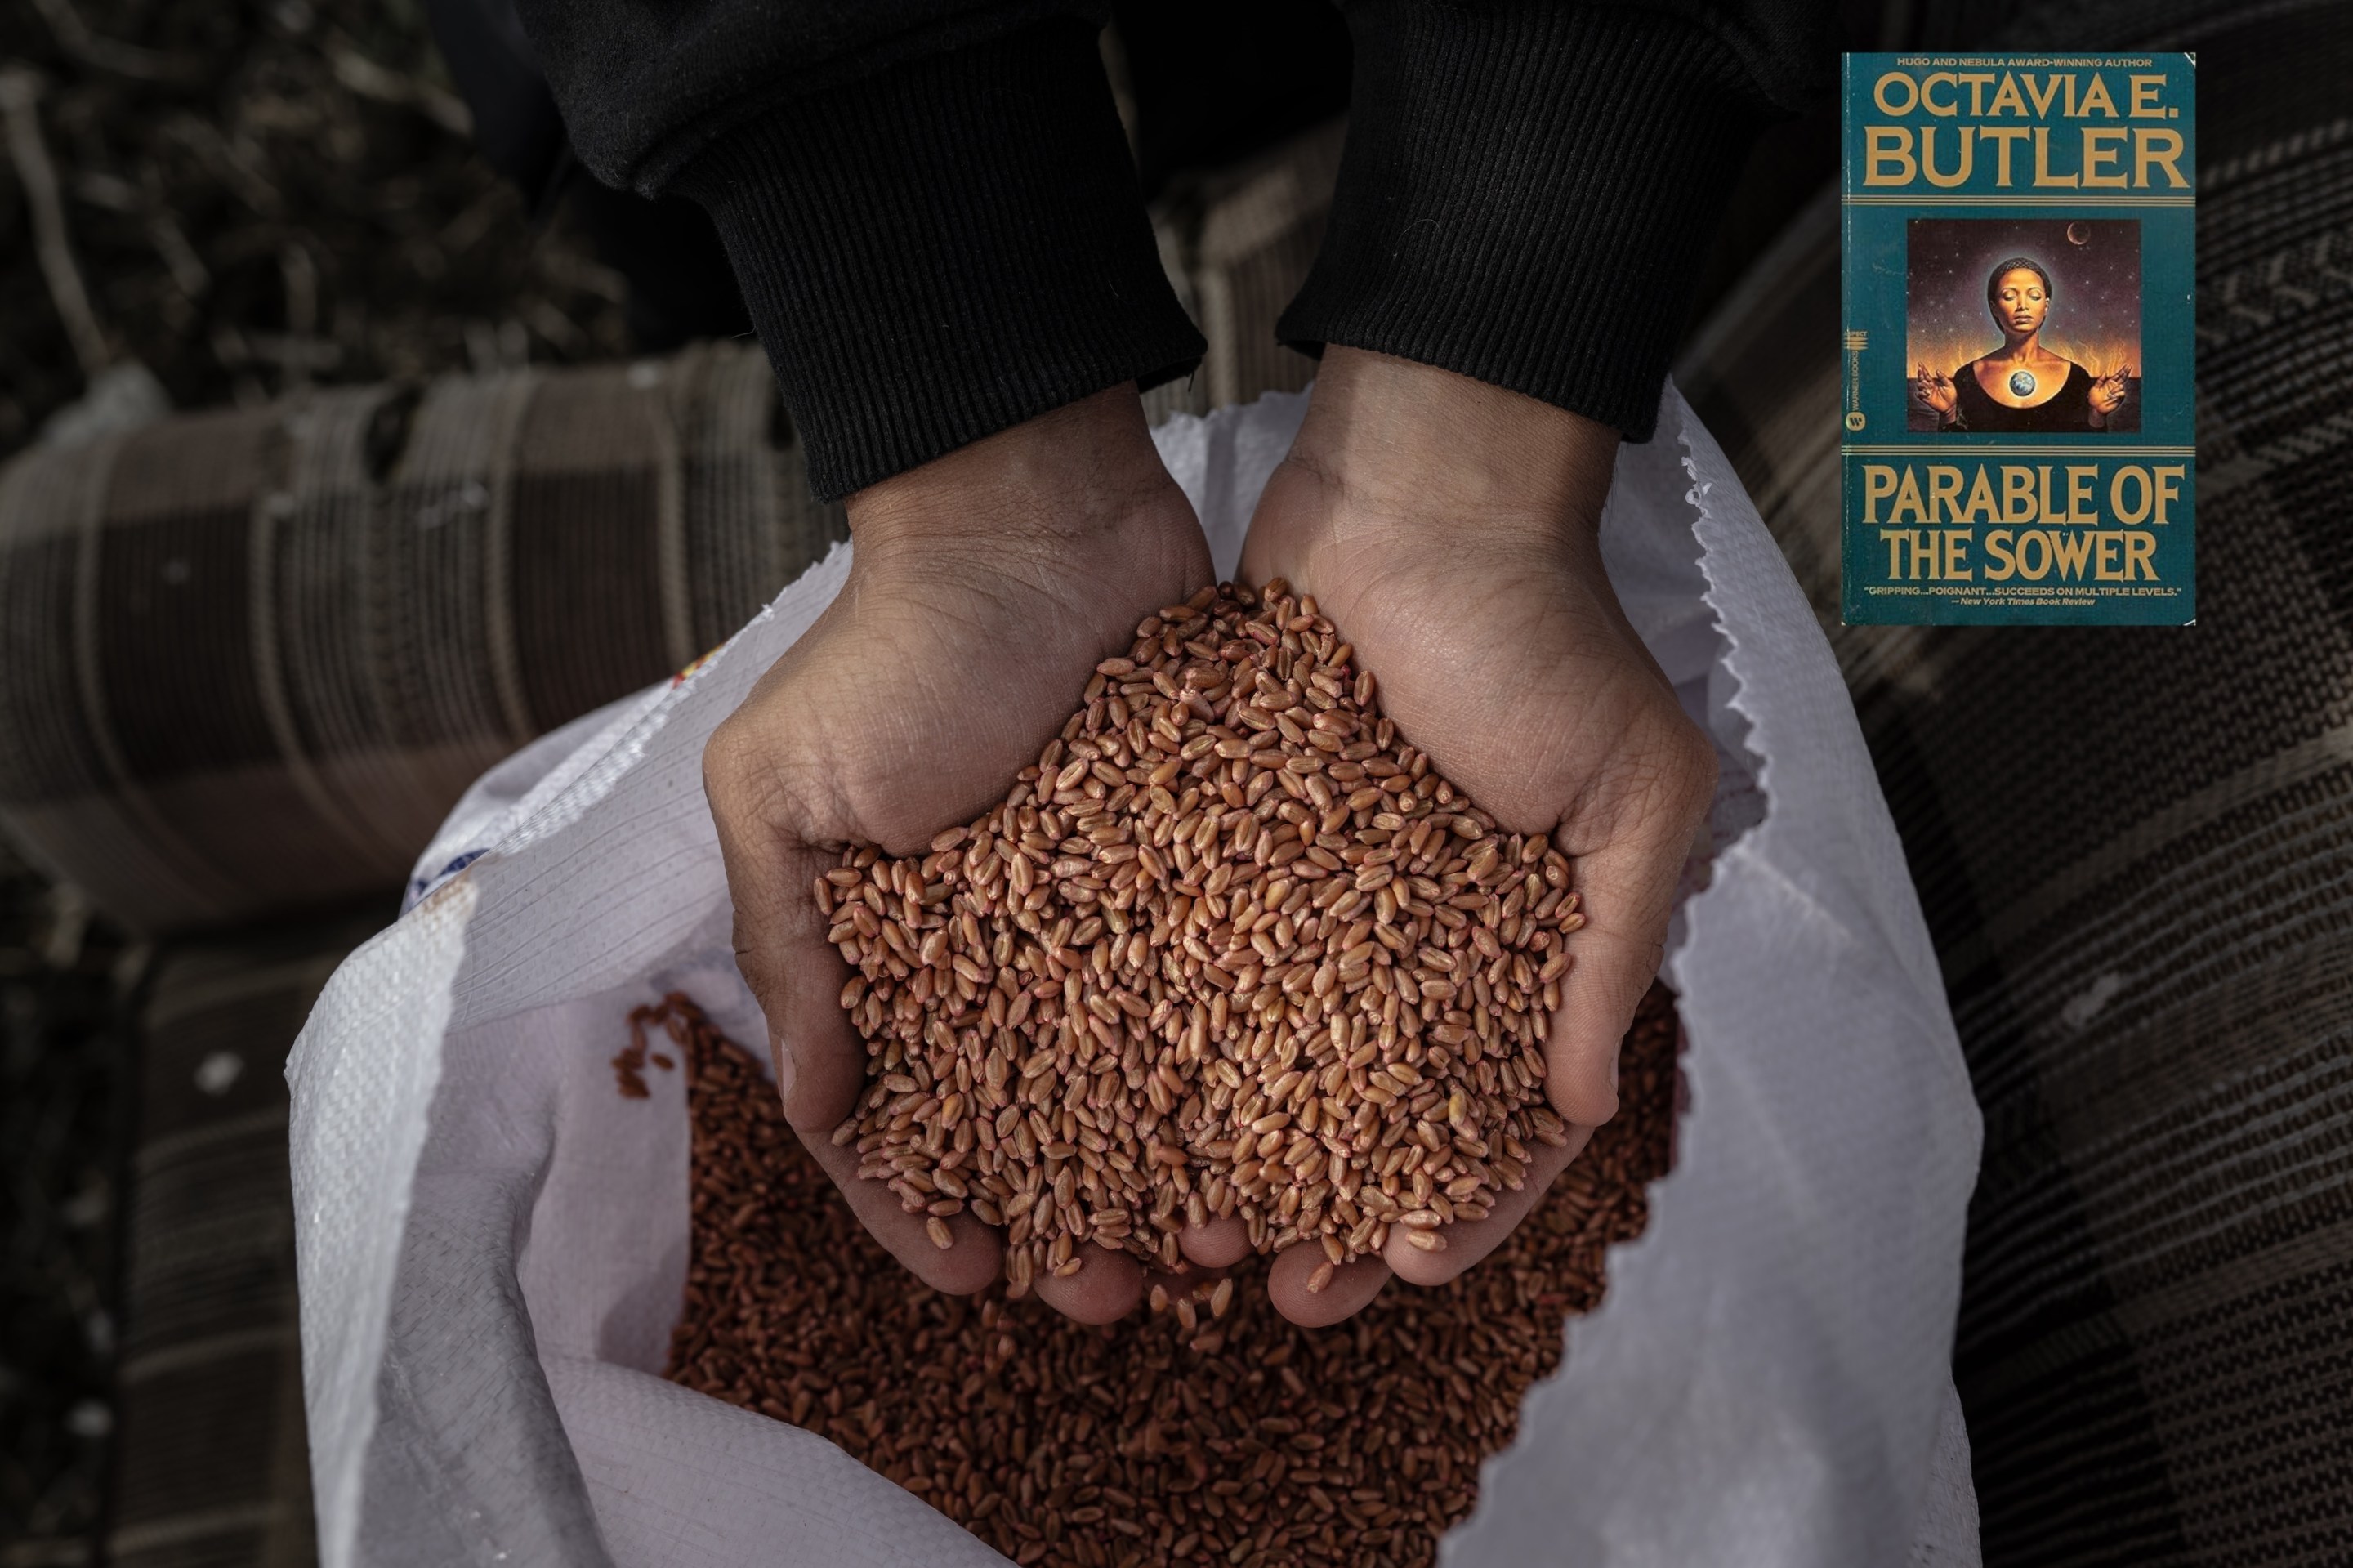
985	587
1936	391
2108	394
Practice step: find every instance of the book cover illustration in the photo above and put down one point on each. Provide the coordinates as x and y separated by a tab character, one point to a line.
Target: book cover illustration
2019	247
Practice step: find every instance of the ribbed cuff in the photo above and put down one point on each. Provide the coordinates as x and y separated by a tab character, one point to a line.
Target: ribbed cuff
944	250
1527	196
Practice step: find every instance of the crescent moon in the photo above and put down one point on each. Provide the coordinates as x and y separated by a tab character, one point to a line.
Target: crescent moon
2079	234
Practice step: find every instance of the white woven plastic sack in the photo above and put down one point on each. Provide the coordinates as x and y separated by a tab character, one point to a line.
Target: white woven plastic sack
494	1242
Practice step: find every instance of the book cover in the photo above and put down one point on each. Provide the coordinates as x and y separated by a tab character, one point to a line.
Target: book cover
2017	444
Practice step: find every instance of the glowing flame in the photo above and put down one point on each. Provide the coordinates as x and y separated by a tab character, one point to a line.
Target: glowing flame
1947	352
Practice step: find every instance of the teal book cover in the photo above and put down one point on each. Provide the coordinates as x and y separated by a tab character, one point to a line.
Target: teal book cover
2020	263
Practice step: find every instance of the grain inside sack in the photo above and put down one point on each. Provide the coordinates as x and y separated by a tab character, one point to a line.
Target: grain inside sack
1211	1430
1230	947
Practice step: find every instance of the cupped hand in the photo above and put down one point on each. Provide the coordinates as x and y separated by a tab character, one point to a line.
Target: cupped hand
1936	391
2108	394
1449	529
985	587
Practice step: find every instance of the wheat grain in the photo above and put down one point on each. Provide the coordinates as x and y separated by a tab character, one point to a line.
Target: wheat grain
1235	929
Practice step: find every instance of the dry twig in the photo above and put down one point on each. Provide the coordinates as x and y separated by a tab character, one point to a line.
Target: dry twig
74	37
369	79
20	91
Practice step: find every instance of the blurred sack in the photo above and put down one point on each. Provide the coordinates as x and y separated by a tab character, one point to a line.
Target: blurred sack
253	655
492	1244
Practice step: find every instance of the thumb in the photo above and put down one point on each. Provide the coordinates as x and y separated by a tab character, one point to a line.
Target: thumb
797	976
1626	892
794	972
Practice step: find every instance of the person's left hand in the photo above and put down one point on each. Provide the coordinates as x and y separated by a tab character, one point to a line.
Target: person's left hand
1449	529
1934	391
986	586
2109	391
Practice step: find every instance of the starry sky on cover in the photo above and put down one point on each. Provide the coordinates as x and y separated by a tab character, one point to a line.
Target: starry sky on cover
2095	288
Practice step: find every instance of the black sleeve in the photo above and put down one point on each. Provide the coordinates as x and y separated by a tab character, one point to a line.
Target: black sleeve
931	207
1528	189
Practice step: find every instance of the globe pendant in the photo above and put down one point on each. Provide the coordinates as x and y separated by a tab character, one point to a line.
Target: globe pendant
2021	383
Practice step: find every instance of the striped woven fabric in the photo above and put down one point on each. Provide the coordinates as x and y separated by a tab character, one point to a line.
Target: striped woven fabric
2135	848
252	657
211	1467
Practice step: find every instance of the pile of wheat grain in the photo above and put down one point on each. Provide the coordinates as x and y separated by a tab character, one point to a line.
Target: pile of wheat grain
1229	947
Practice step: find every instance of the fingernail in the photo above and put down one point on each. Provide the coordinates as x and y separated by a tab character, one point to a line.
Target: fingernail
1613	1075
781	1057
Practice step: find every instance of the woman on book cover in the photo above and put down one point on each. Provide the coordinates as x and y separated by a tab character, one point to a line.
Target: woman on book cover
2021	386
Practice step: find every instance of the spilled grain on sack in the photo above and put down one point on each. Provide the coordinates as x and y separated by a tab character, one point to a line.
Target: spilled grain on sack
1208	1430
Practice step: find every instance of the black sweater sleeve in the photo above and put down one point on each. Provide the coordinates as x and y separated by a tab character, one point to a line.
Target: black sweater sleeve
1529	189
931	211
931	207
